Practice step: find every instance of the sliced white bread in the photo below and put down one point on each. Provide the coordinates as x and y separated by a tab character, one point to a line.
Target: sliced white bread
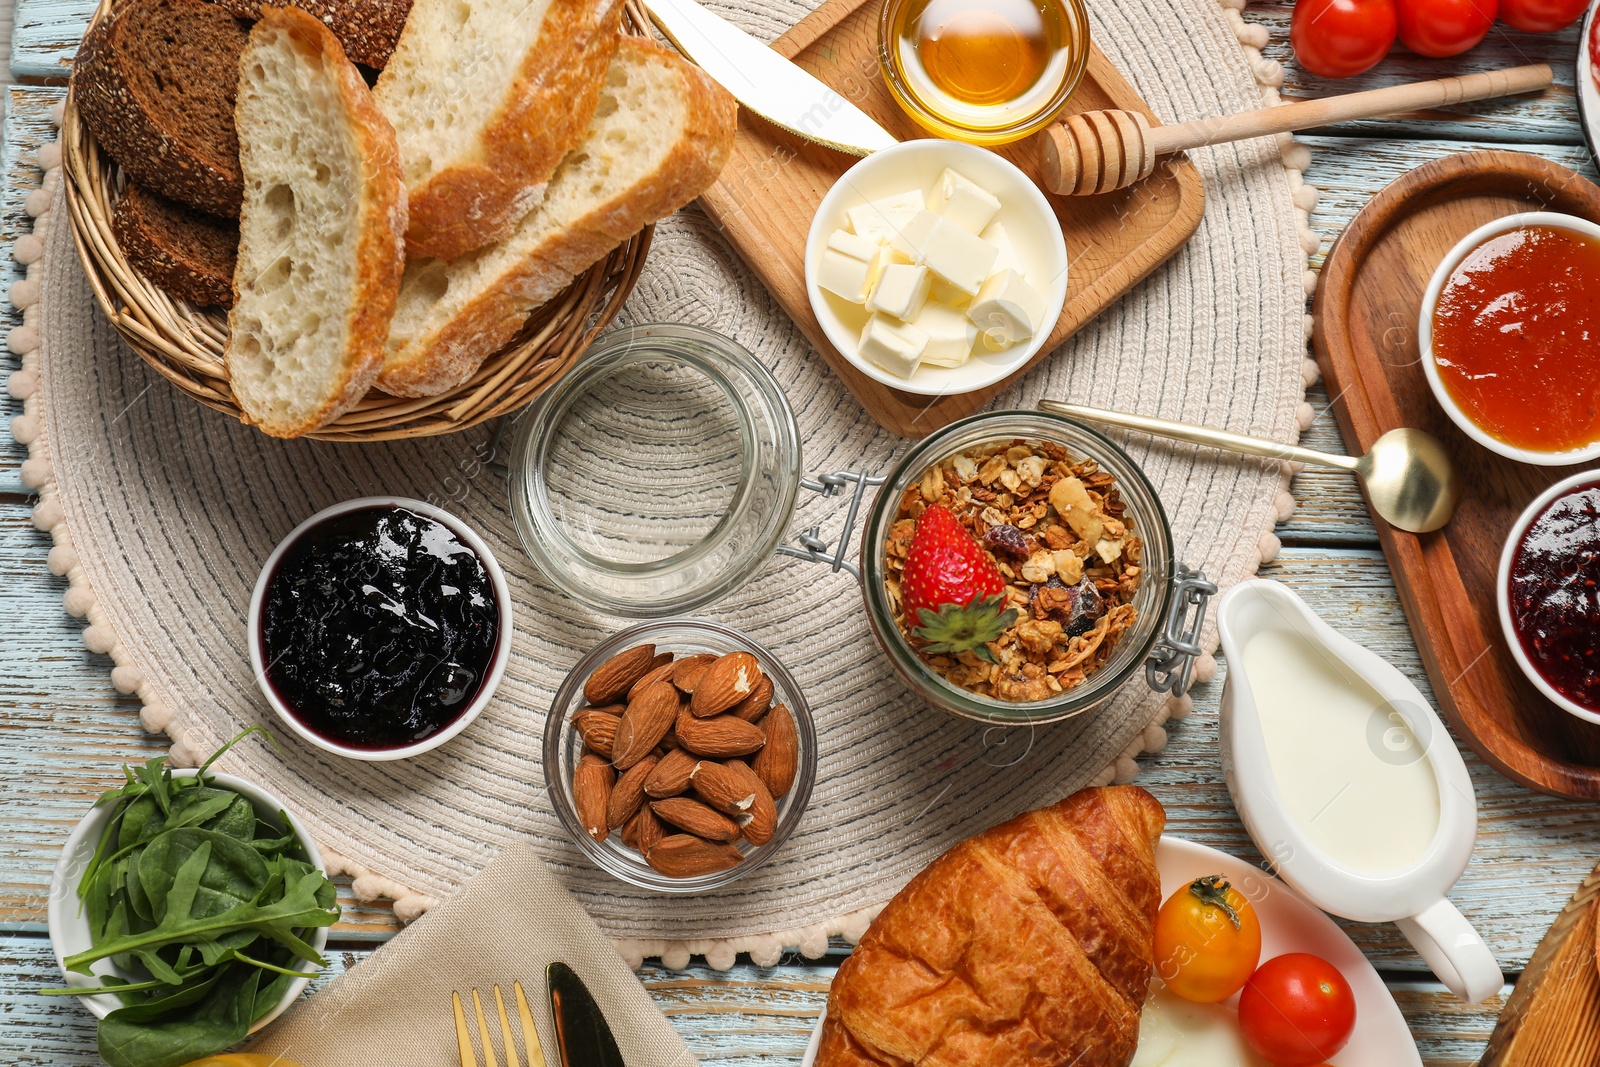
660	136
486	96
321	245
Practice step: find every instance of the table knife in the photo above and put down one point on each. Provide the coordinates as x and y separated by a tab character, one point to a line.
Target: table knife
765	82
583	1038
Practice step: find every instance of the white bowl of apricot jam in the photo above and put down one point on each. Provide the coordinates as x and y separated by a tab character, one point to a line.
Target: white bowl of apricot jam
1510	337
1548	610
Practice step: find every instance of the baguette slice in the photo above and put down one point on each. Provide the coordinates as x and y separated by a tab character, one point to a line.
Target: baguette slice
321	245
486	96
186	252
659	137
154	81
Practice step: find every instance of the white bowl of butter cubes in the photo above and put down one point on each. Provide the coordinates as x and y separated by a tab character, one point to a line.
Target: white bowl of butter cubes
936	267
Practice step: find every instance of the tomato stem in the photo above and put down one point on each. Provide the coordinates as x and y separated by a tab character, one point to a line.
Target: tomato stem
1213	890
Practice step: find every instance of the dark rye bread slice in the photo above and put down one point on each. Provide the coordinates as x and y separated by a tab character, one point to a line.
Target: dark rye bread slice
368	29
155	81
186	252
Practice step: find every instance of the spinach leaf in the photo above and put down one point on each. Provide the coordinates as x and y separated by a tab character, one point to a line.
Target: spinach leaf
234	873
222	1018
238	821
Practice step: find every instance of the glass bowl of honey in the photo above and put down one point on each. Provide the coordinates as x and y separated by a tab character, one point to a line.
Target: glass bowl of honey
983	71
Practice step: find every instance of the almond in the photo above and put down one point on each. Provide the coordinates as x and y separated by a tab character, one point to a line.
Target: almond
598	727
756	704
723	787
727	681
695	818
643	830
591	795
687	856
779	758
671	774
687	672
648	718
661	672
762	821
628	793
719	737
616	675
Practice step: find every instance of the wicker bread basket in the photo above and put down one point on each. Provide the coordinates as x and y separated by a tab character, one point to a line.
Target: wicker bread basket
185	342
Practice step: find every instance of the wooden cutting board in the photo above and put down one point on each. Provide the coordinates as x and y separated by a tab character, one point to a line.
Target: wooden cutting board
774	181
1553	1017
1368	302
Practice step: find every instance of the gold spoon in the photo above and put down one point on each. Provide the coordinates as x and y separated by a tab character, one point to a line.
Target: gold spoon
1407	473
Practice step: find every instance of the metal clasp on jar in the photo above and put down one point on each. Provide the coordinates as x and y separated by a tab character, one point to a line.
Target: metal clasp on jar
813	547
1170	665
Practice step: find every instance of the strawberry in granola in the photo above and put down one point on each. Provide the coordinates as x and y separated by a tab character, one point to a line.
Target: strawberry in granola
952	589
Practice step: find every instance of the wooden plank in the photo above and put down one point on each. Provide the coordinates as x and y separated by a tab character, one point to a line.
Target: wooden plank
47	35
27	128
747	1017
1550	118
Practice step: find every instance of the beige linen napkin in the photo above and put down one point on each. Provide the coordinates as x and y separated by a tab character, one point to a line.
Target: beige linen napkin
505	925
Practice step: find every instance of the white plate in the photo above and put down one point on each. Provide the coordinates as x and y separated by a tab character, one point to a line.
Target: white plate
1027	216
1585	90
1288	924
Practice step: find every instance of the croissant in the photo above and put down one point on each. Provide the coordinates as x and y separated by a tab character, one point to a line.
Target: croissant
1029	944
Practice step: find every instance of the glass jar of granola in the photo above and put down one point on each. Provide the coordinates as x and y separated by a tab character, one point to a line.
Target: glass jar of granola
1018	567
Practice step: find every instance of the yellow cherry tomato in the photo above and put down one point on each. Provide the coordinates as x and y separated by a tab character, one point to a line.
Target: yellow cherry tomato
1208	941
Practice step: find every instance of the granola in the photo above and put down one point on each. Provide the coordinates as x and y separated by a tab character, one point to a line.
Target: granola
1057	530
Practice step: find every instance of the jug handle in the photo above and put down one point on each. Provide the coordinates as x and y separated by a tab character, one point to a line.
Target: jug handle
1458	955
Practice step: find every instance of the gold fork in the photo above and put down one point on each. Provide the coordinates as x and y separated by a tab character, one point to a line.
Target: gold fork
530	1033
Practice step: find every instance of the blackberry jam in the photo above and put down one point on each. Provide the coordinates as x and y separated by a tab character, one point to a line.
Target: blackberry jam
1555	595
379	627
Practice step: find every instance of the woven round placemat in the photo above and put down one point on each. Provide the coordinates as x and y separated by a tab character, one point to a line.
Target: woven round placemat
162	513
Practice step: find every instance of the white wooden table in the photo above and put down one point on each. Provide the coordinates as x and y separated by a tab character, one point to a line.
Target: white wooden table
64	730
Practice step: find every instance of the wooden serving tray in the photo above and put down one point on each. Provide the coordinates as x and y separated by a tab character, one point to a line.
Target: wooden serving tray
774	181
1367	307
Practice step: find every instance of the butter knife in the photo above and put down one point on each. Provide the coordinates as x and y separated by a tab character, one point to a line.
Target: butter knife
765	82
583	1037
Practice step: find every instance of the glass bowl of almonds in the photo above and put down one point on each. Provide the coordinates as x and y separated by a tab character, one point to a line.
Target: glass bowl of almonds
679	755
1017	568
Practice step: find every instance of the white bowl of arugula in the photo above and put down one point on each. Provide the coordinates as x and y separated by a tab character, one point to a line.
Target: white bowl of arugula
197	903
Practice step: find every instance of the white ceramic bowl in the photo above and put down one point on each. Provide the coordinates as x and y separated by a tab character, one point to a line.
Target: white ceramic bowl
497	666
1503	591
1430	301
1025	213
69	929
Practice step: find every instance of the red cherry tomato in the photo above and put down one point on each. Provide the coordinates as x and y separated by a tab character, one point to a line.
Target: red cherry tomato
1297	1010
1444	27
1541	16
1342	38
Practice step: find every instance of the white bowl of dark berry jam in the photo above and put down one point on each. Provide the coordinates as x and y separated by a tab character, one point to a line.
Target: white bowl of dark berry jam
1549	607
380	628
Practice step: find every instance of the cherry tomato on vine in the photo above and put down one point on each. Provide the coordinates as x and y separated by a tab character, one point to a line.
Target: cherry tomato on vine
1208	941
1297	1010
1444	27
1342	38
1541	16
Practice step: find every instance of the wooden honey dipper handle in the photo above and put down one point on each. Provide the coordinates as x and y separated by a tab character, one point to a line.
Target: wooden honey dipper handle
1101	151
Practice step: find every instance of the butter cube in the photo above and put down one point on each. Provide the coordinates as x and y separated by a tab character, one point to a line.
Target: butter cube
878	220
1007	309
886	256
901	290
1007	259
950	335
845	269
959	258
963	201
897	347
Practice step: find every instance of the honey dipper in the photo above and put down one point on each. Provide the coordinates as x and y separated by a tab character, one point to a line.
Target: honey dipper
1102	151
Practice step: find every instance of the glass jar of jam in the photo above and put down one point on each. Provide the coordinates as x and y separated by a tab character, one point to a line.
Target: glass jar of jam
380	627
1549	592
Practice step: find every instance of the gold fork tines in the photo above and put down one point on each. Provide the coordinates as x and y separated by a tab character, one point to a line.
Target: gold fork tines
530	1034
